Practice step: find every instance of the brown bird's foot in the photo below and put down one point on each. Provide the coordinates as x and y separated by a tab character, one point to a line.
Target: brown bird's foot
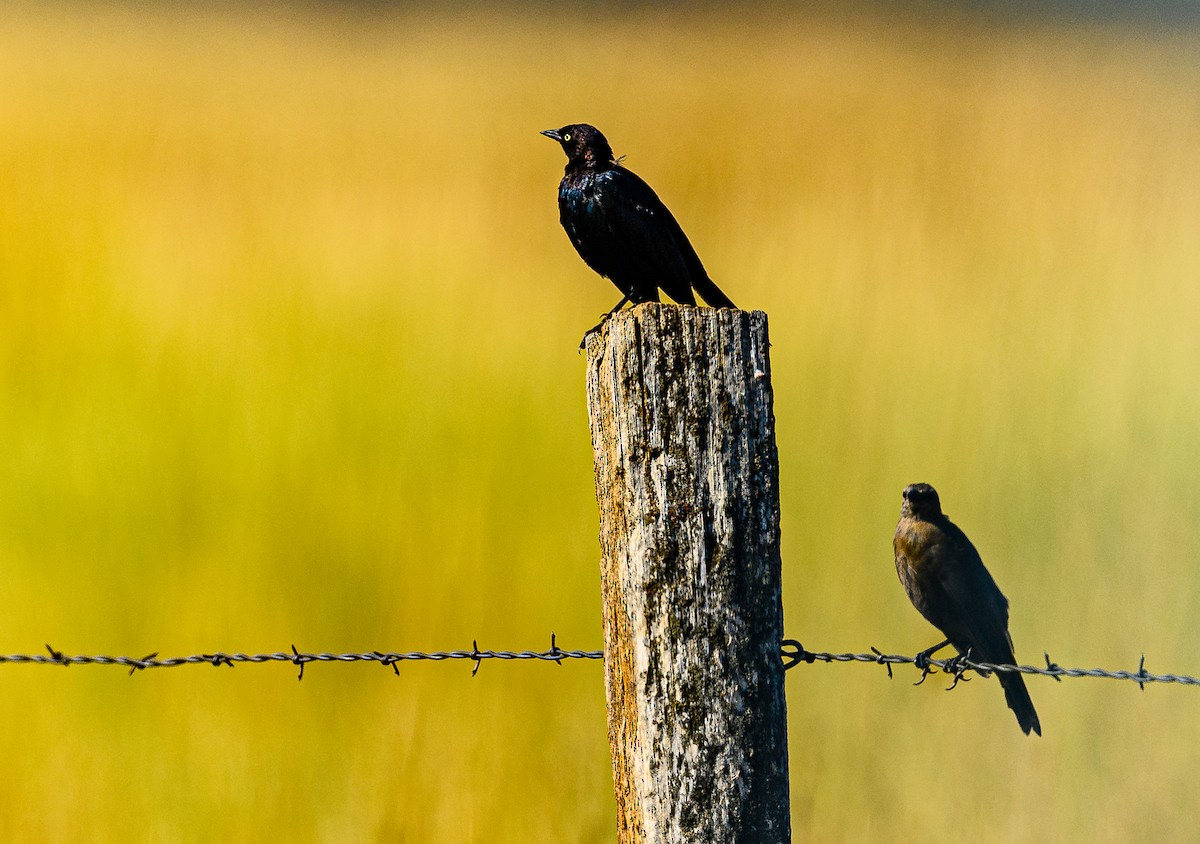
957	665
922	660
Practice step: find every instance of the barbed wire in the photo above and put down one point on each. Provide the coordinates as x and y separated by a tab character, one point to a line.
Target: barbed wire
791	652
300	658
794	653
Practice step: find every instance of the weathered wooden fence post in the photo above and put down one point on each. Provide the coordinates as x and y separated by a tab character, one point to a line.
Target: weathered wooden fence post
687	478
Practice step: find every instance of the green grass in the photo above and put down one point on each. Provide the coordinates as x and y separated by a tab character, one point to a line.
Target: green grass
287	331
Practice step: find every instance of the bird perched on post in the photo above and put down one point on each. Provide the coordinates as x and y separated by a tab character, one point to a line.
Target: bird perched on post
621	228
947	582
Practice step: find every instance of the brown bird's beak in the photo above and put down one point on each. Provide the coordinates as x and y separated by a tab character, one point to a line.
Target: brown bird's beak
553	135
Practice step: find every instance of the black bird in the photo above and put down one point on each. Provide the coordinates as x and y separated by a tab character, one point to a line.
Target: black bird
621	228
947	582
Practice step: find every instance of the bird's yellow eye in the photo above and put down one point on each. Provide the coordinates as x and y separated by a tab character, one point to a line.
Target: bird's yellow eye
567	136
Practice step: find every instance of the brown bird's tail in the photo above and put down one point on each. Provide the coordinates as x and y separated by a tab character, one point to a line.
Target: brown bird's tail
1019	702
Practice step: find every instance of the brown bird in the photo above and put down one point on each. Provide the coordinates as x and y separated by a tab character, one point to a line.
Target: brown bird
947	582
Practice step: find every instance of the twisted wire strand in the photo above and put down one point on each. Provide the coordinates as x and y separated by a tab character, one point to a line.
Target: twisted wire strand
792	653
300	658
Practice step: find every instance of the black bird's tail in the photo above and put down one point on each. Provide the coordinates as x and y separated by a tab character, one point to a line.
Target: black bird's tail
1019	701
710	293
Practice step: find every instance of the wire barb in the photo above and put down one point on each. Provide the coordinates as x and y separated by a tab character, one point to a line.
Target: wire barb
881	659
141	664
1052	666
296	660
388	659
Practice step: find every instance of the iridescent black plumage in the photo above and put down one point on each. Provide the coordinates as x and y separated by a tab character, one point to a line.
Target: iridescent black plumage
621	228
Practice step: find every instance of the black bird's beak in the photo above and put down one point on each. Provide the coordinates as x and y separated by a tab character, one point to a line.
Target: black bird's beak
553	135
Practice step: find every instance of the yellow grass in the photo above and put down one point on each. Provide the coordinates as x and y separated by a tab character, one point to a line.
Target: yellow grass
287	332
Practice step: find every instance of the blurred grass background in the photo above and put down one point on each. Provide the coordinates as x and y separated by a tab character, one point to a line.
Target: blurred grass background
287	332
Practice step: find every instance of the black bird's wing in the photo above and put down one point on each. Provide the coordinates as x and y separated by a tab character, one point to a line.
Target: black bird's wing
651	247
654	240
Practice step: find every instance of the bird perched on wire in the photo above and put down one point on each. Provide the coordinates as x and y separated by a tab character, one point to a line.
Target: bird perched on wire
947	582
621	228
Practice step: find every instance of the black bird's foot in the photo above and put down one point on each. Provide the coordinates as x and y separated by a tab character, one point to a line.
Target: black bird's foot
600	324
593	330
